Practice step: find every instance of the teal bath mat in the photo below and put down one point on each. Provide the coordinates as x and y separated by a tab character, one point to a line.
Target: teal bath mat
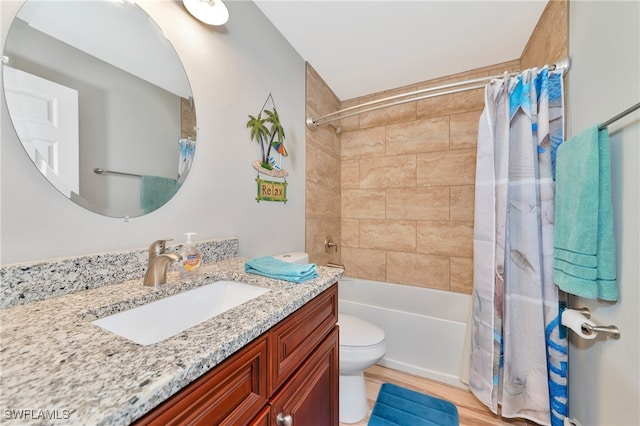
397	406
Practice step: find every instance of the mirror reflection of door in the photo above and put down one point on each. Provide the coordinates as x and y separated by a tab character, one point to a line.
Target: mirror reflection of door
135	105
45	116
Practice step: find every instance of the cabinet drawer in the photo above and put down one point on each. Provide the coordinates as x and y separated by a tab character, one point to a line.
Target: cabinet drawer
293	340
232	393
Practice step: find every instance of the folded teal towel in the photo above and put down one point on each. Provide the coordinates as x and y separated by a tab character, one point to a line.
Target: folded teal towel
584	244
155	191
274	268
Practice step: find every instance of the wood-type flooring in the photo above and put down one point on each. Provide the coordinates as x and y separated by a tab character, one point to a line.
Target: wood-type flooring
471	411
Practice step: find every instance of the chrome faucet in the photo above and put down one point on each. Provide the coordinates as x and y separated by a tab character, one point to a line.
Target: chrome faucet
157	269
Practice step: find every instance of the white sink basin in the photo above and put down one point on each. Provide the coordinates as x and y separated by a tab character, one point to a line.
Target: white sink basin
159	320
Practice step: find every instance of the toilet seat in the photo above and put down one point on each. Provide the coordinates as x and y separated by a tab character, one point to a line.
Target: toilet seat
357	333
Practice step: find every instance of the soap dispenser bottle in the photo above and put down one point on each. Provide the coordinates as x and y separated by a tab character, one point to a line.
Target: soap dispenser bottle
191	257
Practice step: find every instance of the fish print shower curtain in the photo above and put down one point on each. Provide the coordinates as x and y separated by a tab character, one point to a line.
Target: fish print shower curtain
518	363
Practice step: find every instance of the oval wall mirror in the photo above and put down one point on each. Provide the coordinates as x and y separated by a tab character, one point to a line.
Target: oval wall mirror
101	103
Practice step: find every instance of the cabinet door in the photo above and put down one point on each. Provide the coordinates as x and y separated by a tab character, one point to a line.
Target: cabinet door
295	338
310	397
231	394
262	419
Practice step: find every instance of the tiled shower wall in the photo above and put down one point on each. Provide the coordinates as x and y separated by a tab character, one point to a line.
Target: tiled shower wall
407	184
406	175
323	173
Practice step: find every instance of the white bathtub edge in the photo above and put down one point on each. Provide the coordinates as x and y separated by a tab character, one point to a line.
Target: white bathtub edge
423	339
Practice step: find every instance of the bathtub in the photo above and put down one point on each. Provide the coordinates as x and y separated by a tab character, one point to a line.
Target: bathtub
424	328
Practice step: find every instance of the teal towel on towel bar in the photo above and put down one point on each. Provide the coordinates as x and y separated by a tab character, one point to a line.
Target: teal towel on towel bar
155	191
275	268
584	244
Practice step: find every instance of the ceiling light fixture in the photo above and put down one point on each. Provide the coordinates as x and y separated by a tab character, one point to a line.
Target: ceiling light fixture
212	12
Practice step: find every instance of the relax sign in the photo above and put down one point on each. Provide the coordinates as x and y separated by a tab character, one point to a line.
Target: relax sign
271	191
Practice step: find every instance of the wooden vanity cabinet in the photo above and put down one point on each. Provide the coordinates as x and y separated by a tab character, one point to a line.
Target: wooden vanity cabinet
292	341
291	370
232	393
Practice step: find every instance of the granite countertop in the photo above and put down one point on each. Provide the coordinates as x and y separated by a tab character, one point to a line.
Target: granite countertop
57	367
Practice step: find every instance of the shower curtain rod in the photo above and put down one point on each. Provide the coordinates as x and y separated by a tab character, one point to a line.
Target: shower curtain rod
619	116
313	124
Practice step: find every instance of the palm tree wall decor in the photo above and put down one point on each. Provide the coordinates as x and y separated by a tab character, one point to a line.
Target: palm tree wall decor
267	131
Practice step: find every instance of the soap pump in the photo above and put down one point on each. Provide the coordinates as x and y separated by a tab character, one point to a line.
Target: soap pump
191	257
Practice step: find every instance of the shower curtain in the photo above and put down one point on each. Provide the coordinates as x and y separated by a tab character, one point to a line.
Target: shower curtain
518	360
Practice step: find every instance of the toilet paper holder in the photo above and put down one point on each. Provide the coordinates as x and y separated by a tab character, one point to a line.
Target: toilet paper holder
611	330
584	311
588	329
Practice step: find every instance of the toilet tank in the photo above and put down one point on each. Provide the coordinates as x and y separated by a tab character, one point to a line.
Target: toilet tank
296	257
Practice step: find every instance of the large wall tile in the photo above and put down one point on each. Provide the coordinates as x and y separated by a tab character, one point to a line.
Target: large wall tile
396	235
367	143
362	204
350	174
456	167
328	170
350	232
322	201
364	263
395	114
461	274
311	163
321	168
388	172
418	136
419	203
471	100
445	238
462	203
418	270
464	130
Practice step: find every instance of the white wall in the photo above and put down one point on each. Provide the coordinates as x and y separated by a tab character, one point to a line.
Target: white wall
232	69
604	45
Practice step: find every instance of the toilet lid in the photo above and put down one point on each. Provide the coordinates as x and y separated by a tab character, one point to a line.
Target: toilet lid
358	332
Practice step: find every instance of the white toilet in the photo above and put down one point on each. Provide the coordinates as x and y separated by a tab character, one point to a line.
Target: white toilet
361	346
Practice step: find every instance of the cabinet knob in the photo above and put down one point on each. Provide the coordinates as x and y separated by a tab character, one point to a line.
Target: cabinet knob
284	420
